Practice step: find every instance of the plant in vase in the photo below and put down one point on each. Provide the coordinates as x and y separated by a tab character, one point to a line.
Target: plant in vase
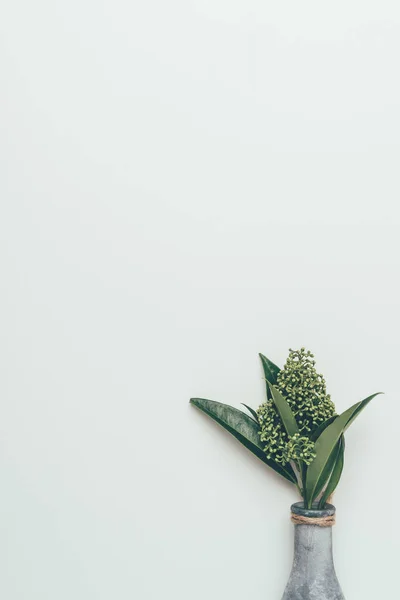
298	433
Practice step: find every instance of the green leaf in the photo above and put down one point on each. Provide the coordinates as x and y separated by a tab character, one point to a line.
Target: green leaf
327	472
335	475
270	369
315	435
361	406
325	446
244	429
251	411
284	410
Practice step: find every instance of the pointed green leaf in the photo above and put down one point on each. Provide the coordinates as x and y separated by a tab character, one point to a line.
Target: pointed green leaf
325	446
361	406
284	410
244	429
270	369
252	412
335	475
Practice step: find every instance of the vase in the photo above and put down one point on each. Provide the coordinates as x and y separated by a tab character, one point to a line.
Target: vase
313	574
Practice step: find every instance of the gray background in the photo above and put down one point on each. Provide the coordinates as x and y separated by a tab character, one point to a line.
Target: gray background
185	184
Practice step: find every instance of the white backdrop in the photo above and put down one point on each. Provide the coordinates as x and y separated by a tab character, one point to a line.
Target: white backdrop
183	185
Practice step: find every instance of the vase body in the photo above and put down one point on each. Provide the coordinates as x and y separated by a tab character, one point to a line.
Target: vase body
313	574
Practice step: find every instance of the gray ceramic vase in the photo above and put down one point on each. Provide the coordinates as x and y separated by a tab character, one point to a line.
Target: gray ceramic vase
313	574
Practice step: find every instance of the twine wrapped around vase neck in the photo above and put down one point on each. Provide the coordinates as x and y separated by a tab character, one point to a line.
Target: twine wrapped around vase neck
314	516
328	521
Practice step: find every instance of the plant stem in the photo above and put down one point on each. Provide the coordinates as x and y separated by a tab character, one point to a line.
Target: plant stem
303	471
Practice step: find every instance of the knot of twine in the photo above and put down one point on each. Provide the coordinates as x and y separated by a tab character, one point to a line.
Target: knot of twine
320	522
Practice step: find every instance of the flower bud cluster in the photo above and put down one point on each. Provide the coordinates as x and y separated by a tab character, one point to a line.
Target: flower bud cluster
299	448
305	392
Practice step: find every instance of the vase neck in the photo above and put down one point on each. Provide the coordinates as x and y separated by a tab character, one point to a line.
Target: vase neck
313	547
313	543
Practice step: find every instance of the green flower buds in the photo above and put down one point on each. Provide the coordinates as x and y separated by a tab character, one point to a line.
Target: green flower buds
299	448
305	392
